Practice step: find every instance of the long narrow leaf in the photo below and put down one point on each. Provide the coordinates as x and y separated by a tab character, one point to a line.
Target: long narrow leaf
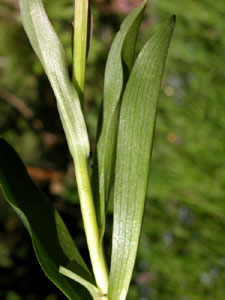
77	273
51	240
51	54
135	137
119	64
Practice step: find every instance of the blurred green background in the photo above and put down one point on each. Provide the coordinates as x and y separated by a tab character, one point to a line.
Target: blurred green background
182	250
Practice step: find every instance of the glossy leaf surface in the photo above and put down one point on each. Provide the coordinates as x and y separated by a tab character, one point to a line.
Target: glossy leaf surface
52	242
135	137
118	67
51	54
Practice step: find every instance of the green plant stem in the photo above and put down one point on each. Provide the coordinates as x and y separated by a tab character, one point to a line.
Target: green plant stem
90	225
81	168
80	46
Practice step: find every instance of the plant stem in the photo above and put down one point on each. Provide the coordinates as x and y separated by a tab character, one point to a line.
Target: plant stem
80	46
90	225
81	168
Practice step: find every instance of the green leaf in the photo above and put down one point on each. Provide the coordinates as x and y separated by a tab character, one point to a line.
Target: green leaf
135	137
79	274
51	54
119	64
52	242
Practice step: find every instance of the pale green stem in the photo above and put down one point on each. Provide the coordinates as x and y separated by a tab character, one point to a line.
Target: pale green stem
80	46
90	225
81	169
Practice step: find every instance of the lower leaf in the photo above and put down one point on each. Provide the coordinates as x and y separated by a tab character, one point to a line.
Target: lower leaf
80	275
52	242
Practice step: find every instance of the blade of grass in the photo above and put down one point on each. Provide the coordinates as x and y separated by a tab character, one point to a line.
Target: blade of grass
51	240
135	137
119	64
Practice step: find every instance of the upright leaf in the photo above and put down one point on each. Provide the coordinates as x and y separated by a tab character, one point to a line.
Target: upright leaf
135	136
119	64
51	54
52	242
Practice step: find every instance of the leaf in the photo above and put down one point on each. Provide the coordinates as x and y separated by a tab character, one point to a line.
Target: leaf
52	242
77	273
135	137
51	54
49	50
118	66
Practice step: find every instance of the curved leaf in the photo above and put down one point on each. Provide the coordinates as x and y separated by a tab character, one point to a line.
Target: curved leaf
119	64
52	242
51	54
77	273
135	136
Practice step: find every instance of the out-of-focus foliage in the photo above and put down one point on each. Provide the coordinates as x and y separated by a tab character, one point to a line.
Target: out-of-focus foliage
182	250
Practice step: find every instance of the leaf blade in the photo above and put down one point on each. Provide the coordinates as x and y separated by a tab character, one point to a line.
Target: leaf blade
80	275
51	54
118	66
51	240
135	137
